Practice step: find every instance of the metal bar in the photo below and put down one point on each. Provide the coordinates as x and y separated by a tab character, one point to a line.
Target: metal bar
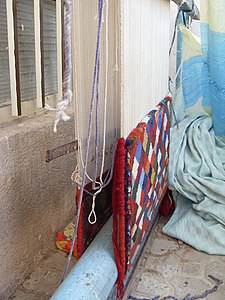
63	33
17	66
13	57
190	8
38	53
61	150
42	54
59	29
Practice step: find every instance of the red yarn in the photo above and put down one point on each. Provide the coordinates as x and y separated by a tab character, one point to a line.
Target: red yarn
167	205
80	239
118	204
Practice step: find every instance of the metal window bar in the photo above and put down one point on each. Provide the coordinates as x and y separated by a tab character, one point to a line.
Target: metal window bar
60	54
13	50
63	34
42	54
39	53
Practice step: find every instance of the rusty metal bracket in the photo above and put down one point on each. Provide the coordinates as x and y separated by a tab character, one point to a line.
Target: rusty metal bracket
61	150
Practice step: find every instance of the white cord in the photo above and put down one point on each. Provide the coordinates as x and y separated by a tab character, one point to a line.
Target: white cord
76	174
106	88
92	213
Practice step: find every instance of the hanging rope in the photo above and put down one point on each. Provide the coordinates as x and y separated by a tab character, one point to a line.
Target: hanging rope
170	50
175	30
95	81
106	92
92	218
67	93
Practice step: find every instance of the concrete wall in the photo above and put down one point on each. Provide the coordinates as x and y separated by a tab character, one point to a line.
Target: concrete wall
36	198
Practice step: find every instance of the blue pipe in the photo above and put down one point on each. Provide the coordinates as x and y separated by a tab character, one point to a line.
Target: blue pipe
94	275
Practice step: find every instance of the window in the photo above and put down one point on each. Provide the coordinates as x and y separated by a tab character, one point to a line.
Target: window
34	29
4	60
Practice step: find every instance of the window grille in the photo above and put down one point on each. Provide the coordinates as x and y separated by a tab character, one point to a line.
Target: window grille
31	52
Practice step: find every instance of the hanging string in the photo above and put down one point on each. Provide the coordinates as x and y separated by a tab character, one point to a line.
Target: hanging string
96	90
100	13
92	218
97	108
175	30
106	88
108	178
67	93
184	19
170	50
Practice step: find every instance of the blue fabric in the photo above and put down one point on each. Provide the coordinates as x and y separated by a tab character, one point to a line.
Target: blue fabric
192	81
203	75
197	178
213	45
197	148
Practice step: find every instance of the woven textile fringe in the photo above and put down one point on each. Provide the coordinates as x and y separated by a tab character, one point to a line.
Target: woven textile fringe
79	230
118	204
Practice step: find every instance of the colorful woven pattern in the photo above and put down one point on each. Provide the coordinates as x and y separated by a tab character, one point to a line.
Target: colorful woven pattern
144	184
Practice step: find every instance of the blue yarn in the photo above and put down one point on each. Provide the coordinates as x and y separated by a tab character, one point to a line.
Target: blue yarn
95	85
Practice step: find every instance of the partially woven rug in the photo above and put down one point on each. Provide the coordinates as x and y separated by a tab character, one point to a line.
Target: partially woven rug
86	232
103	209
140	182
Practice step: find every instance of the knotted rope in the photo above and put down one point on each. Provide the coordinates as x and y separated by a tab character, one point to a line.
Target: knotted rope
67	93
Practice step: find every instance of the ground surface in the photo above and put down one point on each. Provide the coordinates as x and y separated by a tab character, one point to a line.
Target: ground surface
170	267
44	280
167	267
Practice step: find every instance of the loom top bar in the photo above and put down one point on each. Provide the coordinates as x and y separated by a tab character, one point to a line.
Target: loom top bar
190	8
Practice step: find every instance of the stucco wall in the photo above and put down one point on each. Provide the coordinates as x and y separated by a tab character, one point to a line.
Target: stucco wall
36	198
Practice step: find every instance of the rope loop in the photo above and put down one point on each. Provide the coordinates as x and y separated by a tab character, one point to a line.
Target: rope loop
92	213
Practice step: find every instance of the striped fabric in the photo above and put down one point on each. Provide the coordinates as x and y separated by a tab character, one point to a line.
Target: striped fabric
204	64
